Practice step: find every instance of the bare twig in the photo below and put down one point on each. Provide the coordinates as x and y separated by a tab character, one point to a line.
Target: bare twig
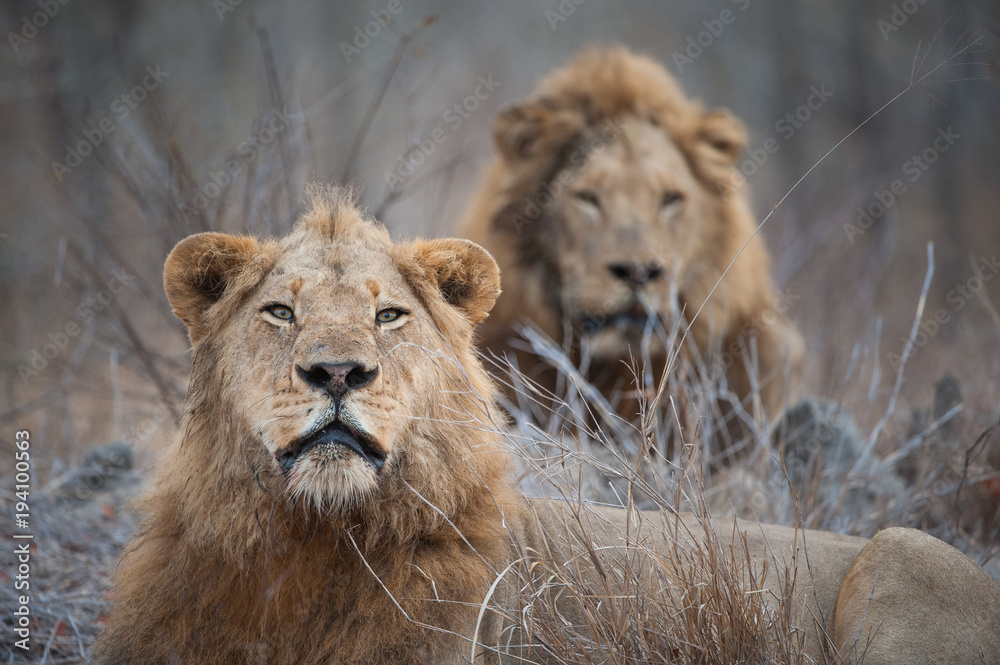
383	86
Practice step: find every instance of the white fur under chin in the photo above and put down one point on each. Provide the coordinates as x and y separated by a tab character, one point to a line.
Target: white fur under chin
332	480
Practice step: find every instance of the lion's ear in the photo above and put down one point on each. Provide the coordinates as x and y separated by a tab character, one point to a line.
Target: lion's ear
535	128
203	268
722	136
466	275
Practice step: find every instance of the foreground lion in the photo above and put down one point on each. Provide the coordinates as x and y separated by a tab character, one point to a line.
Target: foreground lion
338	493
614	197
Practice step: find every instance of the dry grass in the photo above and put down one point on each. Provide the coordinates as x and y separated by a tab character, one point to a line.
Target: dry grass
76	542
707	605
812	466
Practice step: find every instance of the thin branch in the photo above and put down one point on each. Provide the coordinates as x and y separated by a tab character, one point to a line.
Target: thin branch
383	86
907	352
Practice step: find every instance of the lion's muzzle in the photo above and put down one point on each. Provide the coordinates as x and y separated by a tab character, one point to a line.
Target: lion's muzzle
330	438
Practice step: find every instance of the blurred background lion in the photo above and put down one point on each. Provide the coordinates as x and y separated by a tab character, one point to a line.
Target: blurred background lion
616	215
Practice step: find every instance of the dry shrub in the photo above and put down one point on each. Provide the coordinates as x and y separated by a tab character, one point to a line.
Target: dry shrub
809	468
662	594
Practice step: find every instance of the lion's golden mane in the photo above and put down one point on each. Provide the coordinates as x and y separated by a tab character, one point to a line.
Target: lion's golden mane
563	268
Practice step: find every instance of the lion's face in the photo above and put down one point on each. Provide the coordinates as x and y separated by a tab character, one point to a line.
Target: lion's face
617	214
337	370
617	194
334	357
626	221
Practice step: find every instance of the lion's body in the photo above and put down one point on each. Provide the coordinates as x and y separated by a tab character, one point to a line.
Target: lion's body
900	598
338	494
612	194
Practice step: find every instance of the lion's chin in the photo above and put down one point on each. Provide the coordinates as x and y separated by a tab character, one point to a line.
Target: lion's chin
332	479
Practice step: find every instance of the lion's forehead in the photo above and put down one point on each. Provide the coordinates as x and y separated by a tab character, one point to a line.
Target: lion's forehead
338	269
356	254
644	158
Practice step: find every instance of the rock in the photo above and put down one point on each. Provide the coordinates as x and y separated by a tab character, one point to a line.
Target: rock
113	456
936	447
820	444
103	469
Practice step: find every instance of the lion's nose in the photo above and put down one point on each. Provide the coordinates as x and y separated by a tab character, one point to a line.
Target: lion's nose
635	274
338	378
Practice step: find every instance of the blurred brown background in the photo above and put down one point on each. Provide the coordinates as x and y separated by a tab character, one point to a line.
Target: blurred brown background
120	120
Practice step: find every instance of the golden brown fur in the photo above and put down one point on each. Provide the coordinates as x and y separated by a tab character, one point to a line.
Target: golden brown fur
234	560
614	196
380	545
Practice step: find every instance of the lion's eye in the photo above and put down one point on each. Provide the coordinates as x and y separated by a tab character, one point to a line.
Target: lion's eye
388	315
670	197
280	312
589	197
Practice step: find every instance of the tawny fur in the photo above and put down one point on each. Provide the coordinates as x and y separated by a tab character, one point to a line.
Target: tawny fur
237	562
227	566
586	128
